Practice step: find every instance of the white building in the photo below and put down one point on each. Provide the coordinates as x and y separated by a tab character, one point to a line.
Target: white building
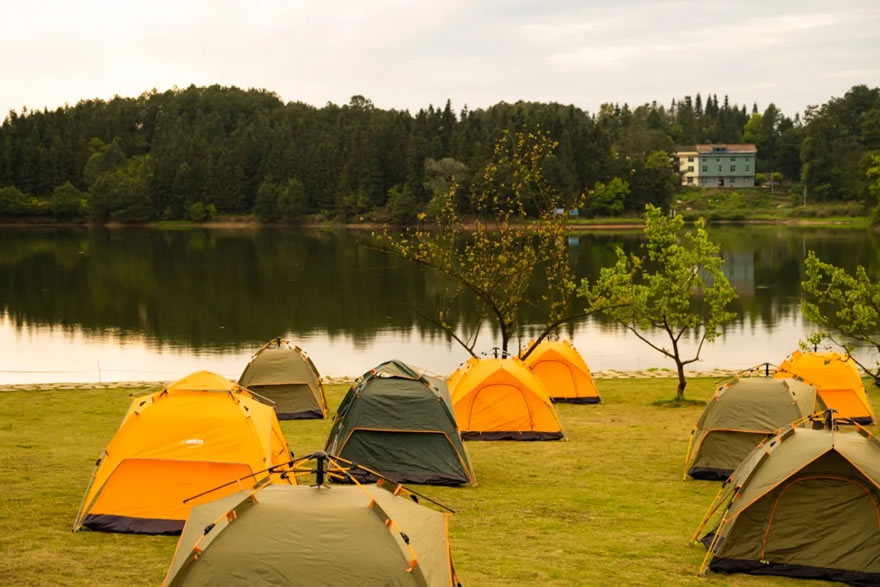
722	166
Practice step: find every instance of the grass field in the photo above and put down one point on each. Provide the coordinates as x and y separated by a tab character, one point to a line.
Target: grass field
607	507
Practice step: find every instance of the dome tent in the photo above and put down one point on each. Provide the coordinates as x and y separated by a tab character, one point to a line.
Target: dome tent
563	372
315	535
194	434
837	379
286	375
500	399
804	504
400	422
741	413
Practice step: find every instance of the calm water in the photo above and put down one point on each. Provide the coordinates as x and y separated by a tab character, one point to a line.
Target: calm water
79	304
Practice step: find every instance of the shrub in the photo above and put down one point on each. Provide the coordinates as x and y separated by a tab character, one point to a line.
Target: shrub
196	212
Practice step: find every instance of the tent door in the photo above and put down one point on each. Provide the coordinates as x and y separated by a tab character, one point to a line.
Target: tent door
824	521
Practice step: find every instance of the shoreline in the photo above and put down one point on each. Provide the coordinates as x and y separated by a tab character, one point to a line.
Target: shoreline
348	380
856	222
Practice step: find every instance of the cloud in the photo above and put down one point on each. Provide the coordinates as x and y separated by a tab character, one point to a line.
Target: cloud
406	54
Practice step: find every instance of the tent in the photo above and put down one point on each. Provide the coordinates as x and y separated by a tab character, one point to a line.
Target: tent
837	379
315	535
500	399
194	434
563	372
803	504
400	422
286	375
740	414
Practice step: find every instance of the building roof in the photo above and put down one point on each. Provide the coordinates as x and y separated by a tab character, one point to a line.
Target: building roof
731	148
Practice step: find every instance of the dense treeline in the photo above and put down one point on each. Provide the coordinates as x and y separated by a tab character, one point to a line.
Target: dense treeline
199	152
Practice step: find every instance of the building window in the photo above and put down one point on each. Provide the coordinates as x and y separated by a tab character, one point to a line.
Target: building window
732	159
690	180
733	167
690	168
705	168
690	159
747	167
718	159
719	169
732	180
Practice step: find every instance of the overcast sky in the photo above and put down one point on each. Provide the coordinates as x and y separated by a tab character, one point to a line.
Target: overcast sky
406	54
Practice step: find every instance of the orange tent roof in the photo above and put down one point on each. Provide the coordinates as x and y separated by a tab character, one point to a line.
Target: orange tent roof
192	436
837	379
500	399
563	372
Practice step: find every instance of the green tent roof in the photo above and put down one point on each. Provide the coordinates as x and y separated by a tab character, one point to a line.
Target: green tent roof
285	375
400	423
302	535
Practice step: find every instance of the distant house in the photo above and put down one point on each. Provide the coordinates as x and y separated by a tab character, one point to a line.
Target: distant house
717	165
688	159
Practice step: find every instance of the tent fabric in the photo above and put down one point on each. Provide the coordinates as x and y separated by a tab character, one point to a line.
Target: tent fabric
563	371
500	399
286	376
741	414
801	505
301	535
400	423
837	379
192	436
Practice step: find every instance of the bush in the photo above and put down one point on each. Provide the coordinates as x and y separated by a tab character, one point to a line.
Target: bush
760	178
123	194
402	205
67	202
608	199
196	212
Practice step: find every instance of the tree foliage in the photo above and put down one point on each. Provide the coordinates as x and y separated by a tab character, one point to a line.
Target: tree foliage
844	307
607	200
675	288
515	236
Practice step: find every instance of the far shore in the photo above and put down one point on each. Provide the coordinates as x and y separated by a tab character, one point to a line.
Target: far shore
588	225
652	373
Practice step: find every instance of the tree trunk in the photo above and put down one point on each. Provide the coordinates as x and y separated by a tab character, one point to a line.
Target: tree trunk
682	382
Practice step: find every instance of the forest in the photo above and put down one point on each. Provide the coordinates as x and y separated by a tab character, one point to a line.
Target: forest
200	152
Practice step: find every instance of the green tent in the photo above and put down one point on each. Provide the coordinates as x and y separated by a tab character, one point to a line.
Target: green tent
286	375
314	535
399	422
742	413
803	504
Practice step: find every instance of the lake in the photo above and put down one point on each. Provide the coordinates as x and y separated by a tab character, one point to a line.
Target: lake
89	304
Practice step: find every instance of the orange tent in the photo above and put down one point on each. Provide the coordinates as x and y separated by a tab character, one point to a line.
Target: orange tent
563	372
837	379
192	436
500	399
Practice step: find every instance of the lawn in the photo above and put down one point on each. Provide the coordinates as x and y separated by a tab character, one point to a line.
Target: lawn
606	507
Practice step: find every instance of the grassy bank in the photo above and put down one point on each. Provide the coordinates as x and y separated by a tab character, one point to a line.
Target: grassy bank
759	205
608	507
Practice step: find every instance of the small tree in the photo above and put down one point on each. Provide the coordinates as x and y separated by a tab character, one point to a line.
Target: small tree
675	287
845	307
496	255
608	199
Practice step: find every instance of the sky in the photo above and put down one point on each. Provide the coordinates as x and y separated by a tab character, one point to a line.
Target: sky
406	54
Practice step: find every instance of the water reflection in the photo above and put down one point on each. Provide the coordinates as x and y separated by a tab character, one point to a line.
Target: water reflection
145	304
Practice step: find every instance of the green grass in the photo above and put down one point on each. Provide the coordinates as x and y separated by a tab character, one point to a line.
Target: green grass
759	205
607	507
